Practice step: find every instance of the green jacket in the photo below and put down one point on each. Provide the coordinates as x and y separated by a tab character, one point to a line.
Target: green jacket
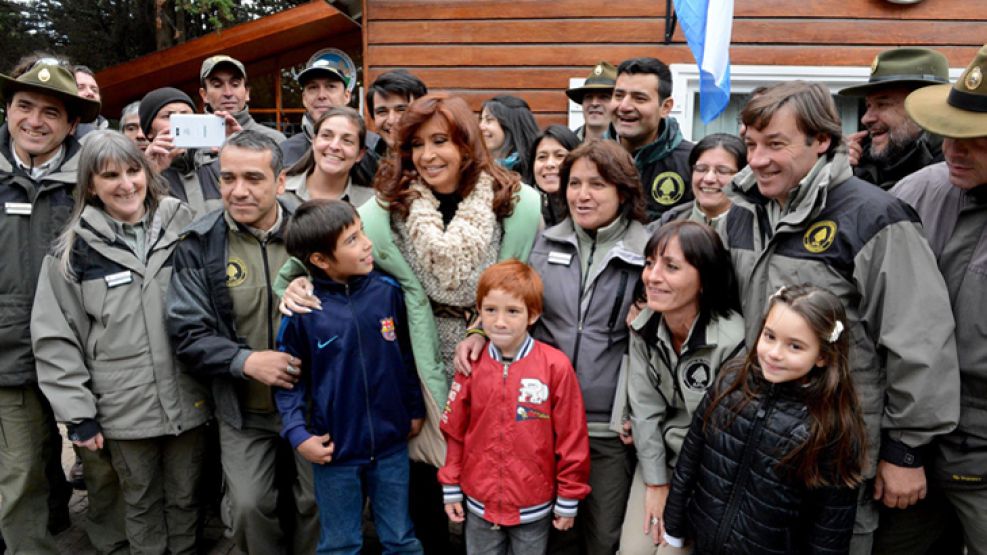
520	229
100	339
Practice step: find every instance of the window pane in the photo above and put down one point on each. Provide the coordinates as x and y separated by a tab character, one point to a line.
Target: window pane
727	122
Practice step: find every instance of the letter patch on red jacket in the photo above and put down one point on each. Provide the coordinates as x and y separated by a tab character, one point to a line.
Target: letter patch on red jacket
532	391
387	329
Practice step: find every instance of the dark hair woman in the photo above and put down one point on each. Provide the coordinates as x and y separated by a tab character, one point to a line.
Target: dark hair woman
690	327
547	154
509	128
714	161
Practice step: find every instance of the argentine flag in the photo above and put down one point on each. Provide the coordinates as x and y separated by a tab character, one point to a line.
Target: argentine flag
707	25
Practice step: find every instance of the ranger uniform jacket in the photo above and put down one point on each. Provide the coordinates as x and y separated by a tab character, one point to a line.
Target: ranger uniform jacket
866	247
664	170
34	213
664	388
104	358
956	223
200	314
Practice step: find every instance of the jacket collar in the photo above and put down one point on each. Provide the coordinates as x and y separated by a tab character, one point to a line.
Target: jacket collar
629	246
651	325
354	284
807	198
64	174
669	138
526	346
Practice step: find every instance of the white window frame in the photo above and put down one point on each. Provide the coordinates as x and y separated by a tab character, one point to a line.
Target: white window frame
743	79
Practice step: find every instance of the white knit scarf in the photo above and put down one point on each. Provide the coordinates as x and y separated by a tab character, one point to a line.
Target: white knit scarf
453	253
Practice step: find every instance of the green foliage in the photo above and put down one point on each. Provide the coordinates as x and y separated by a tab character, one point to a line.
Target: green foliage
101	33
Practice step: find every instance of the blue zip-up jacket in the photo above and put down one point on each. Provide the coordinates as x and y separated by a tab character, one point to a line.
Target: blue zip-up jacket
358	381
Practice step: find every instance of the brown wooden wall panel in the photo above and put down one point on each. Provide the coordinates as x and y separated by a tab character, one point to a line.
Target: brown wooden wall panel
499	9
648	31
531	48
586	55
492	77
541	9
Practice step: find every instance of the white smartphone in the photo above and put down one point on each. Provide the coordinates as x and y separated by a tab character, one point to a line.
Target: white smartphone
197	130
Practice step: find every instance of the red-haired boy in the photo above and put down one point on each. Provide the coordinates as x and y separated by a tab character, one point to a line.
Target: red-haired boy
518	447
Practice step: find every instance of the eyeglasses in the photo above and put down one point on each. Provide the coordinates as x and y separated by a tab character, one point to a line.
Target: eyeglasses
722	171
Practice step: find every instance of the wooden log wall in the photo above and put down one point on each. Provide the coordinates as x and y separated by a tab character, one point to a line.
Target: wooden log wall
481	48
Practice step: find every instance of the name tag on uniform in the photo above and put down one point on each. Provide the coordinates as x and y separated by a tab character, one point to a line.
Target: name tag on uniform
559	258
119	278
17	208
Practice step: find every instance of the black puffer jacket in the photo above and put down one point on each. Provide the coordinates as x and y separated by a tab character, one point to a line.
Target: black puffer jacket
727	493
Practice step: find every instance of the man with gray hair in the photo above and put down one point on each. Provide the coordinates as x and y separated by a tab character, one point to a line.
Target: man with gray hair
130	125
223	320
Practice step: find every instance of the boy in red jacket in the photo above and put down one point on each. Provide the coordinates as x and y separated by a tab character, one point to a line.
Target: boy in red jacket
518	447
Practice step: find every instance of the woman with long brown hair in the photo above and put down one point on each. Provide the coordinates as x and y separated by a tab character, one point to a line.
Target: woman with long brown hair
444	212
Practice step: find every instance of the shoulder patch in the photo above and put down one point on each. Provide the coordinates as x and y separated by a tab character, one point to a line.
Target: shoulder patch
698	376
819	236
667	188
236	272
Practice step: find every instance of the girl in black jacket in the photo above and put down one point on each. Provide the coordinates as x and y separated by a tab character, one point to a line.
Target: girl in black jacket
774	454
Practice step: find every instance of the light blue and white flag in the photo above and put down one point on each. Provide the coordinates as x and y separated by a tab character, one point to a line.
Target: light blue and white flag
707	25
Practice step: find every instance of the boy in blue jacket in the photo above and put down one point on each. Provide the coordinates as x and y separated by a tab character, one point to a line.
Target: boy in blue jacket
358	399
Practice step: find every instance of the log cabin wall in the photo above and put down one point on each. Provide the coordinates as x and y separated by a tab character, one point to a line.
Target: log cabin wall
531	48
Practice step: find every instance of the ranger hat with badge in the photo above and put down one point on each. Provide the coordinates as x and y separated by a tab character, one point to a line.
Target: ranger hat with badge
213	63
908	67
602	78
49	77
957	111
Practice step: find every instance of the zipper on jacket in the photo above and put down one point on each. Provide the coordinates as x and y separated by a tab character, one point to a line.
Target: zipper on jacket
503	441
615	310
580	317
363	366
744	470
270	296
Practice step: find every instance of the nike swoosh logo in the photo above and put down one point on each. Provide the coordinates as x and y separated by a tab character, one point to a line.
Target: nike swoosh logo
323	344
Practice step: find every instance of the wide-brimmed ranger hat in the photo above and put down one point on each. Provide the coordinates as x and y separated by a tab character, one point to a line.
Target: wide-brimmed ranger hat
602	78
48	76
958	111
909	67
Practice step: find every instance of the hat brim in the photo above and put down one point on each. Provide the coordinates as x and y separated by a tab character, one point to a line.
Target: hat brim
929	108
868	88
224	63
577	94
87	110
313	72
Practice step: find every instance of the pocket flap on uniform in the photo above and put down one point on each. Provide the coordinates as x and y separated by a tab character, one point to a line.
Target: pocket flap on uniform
108	376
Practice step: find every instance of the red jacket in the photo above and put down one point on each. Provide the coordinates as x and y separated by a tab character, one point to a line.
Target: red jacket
516	436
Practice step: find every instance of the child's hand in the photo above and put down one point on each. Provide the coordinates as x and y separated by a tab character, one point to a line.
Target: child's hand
416	427
317	449
455	512
563	523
